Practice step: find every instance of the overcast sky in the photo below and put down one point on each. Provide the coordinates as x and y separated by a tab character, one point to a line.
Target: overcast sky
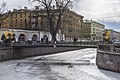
105	11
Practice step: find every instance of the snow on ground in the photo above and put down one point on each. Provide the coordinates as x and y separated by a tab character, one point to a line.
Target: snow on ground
32	69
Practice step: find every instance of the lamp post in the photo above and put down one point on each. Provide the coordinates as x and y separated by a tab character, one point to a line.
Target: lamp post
81	30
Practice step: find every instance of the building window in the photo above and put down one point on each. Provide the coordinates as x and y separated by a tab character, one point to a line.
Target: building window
11	15
16	20
11	21
20	20
25	15
11	25
30	15
20	15
20	26
16	15
25	20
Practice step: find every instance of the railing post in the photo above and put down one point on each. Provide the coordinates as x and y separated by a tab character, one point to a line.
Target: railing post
112	48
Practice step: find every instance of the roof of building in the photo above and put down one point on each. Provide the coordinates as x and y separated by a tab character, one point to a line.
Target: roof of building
91	21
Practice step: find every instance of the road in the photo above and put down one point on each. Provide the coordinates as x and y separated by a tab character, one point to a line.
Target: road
72	65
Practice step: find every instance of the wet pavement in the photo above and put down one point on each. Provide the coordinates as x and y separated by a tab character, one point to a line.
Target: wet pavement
72	65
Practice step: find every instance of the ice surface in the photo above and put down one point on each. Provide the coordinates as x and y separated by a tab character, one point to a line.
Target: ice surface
33	69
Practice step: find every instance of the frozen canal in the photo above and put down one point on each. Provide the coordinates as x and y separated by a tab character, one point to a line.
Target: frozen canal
72	65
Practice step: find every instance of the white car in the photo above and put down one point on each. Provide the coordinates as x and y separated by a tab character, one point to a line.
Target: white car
117	43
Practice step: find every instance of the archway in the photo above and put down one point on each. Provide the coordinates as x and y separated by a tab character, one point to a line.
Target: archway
34	38
21	38
44	39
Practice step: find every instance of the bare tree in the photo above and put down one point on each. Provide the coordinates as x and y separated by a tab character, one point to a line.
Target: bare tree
2	9
55	10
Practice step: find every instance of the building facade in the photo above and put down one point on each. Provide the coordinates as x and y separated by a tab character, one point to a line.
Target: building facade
17	19
92	30
71	26
36	20
114	36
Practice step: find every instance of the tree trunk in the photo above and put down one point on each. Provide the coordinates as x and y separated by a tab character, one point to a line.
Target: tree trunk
54	37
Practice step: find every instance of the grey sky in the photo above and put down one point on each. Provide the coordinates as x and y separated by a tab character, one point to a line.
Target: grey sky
100	10
16	3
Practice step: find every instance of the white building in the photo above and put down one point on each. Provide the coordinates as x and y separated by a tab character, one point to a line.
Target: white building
29	34
92	30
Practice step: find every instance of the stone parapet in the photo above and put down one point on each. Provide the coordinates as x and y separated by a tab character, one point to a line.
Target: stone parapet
28	51
107	58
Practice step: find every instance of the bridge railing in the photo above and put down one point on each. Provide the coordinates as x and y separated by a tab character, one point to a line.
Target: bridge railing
40	42
109	47
117	48
5	44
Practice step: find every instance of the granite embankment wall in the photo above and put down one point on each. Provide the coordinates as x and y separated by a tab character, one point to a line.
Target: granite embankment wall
18	52
108	57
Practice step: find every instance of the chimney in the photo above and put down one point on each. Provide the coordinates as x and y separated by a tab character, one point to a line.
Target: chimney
14	9
25	8
9	11
36	7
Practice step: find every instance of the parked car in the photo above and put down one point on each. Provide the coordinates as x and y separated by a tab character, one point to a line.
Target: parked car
117	43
